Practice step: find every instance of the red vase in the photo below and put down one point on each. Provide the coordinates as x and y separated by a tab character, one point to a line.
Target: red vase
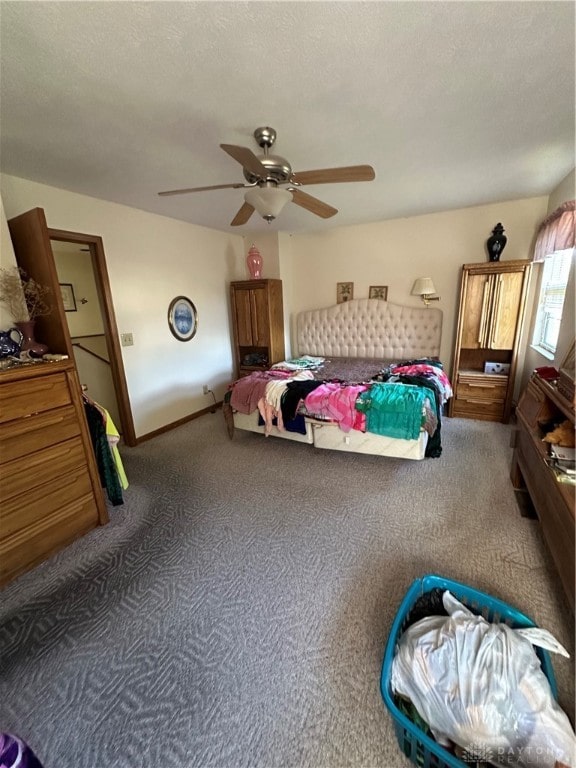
254	262
29	343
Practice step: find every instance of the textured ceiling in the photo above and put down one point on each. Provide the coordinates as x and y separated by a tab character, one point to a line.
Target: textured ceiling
453	103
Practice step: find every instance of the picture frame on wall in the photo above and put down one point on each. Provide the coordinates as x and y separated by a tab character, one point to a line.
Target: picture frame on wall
68	298
182	318
344	292
378	292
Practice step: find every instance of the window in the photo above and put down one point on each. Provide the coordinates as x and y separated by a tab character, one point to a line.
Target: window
551	301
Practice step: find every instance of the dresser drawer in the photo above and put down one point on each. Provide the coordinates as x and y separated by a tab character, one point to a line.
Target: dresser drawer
31	545
477	408
40	502
25	436
34	395
57	461
481	389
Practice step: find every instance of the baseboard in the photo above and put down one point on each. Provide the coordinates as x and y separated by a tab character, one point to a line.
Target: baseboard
149	435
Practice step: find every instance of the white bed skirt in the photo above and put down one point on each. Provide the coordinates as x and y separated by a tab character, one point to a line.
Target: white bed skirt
330	436
250	423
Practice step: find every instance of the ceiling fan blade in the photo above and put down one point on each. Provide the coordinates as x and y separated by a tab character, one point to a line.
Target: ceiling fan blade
246	158
243	215
335	175
312	204
199	189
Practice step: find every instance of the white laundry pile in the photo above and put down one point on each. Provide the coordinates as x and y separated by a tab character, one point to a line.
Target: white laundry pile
481	686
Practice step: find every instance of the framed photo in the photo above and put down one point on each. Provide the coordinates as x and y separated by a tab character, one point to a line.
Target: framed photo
344	292
68	298
378	292
182	318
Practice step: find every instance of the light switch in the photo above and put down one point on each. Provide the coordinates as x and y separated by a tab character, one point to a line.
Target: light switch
127	339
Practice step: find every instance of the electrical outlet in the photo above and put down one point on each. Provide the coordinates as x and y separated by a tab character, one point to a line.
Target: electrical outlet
205	389
127	339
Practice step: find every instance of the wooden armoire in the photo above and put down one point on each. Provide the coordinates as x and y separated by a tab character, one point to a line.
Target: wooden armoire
490	318
258	324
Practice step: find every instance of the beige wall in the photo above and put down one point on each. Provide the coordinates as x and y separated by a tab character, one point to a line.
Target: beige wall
566	190
151	259
7	261
76	270
395	253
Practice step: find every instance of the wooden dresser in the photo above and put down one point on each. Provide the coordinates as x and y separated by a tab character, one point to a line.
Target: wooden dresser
540	404
258	324
50	491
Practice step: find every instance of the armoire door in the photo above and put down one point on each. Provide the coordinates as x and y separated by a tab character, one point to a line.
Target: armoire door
477	303
260	320
504	316
243	317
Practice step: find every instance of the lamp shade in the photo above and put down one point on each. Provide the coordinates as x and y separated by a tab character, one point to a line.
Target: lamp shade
423	286
268	201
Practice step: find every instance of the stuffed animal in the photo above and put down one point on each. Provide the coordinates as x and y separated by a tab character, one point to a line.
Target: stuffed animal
562	435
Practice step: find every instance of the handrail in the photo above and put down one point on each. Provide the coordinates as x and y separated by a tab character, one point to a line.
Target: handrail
94	354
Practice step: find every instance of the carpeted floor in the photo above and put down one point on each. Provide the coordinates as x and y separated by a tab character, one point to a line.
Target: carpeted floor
234	612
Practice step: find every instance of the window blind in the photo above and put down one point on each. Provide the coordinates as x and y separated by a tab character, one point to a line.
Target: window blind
552	293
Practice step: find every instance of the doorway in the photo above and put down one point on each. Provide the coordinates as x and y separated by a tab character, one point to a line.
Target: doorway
85	323
81	268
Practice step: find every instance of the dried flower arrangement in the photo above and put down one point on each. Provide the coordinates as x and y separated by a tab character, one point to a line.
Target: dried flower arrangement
24	298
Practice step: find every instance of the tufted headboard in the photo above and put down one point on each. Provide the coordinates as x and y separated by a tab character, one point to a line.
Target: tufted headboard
370	328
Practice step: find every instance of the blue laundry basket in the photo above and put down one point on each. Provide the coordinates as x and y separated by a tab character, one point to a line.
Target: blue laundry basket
417	745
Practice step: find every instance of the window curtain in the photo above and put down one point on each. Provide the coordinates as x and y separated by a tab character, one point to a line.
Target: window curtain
557	231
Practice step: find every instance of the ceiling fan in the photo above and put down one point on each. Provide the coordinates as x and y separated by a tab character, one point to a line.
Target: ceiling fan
267	174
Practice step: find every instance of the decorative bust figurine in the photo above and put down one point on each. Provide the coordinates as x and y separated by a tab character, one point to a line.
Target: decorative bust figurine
496	243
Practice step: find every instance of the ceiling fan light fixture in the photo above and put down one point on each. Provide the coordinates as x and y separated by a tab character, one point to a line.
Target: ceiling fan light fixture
268	201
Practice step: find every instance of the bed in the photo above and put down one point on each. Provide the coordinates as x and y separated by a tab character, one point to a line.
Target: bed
369	378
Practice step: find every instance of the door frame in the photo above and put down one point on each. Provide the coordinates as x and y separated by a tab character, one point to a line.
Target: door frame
96	246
